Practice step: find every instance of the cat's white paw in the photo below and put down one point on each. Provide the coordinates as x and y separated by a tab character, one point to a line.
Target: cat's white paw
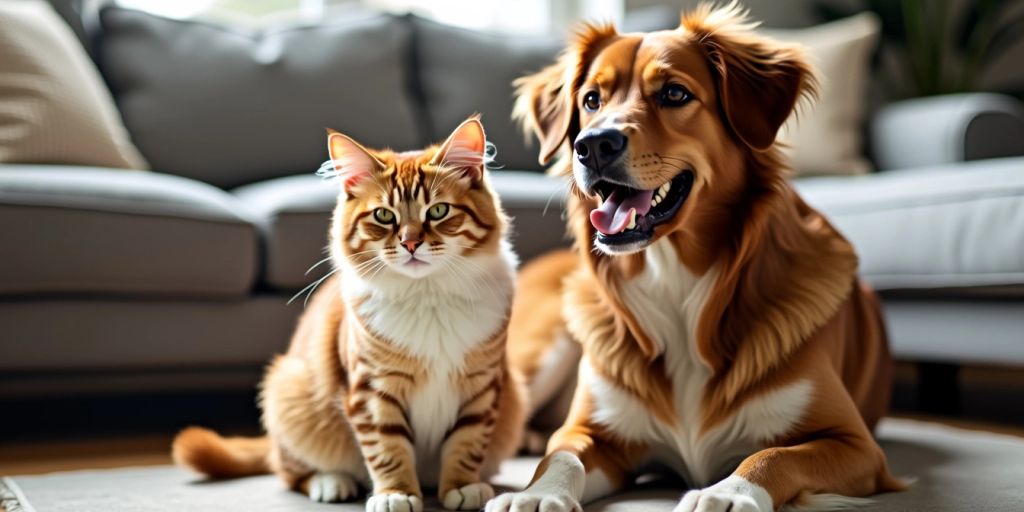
734	494
468	497
332	487
528	501
394	502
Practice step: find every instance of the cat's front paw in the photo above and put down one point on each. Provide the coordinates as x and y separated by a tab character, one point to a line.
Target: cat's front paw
331	487
394	502
532	501
468	497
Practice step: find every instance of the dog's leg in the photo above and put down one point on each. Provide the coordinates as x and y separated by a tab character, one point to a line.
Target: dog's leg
843	459
584	464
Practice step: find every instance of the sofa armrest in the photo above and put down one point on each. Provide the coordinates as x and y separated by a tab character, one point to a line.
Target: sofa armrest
947	129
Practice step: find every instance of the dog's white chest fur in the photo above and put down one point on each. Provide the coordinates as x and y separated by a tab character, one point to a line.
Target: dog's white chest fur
666	300
438	319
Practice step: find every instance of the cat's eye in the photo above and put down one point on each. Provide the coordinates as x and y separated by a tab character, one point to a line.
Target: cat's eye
674	95
438	211
592	101
384	216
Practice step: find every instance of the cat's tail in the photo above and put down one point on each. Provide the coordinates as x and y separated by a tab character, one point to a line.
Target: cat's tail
206	452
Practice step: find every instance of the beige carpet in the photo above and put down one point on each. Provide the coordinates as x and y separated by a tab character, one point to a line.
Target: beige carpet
957	470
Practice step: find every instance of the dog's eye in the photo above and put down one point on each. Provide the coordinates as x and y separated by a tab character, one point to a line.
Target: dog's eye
675	95
592	101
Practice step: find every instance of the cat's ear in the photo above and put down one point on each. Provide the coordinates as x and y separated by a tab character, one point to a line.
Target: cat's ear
352	162
465	151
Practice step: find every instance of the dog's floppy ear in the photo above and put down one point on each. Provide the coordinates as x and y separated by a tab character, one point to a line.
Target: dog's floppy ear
759	80
546	100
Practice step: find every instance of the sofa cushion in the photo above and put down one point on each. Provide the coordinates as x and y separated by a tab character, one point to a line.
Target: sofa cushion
826	136
294	213
54	106
229	108
951	226
464	71
86	230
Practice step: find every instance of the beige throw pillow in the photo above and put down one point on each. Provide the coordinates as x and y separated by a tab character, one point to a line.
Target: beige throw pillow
54	107
827	137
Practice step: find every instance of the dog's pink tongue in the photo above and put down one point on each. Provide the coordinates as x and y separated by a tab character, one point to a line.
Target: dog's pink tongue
612	216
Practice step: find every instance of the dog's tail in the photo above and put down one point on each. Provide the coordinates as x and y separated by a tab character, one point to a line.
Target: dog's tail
206	452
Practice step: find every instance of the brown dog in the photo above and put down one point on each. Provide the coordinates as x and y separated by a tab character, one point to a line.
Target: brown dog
725	334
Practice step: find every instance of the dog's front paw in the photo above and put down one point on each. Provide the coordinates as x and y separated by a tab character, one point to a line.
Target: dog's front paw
734	494
394	502
468	497
331	487
705	501
532	501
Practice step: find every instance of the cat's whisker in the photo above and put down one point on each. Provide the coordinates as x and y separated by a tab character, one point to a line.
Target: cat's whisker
488	280
366	264
445	175
369	267
317	264
311	288
564	187
362	252
378	271
462	281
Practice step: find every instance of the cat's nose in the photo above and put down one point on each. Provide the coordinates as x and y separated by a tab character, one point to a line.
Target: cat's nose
411	244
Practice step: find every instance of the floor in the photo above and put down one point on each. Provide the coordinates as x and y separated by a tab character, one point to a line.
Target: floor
88	433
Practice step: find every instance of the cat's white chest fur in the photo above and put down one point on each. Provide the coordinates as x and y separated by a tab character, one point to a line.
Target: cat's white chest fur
438	319
667	300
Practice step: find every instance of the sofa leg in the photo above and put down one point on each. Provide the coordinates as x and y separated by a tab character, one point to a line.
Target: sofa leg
938	388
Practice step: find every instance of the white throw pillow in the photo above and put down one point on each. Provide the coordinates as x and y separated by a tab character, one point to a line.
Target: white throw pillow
827	137
54	107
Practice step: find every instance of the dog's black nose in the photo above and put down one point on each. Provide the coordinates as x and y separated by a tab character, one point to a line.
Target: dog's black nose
597	148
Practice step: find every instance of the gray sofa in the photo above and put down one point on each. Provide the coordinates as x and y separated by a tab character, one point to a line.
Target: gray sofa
178	278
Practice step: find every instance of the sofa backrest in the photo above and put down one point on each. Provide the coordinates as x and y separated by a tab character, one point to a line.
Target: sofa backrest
464	71
230	108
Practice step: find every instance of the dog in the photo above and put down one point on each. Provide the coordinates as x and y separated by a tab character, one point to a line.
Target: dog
725	334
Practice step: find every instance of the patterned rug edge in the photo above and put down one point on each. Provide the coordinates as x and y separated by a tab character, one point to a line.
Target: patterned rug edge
11	497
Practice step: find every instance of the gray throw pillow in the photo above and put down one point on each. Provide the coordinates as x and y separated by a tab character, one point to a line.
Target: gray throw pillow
464	71
229	108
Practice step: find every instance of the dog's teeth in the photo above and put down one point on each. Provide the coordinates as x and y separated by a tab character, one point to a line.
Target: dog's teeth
632	219
665	188
654	202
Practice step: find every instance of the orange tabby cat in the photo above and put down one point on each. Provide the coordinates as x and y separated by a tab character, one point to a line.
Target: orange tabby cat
396	375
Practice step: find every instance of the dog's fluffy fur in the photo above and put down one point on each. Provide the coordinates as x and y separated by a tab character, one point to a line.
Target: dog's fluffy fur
735	344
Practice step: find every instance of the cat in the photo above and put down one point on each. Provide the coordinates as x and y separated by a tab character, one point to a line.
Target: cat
396	375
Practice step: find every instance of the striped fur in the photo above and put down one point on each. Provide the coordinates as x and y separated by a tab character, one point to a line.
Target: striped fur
396	376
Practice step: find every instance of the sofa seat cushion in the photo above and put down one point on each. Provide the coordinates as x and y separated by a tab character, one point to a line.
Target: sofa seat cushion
85	230
958	226
68	334
294	213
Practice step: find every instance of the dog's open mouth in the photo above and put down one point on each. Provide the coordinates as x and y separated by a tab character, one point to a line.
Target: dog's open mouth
628	215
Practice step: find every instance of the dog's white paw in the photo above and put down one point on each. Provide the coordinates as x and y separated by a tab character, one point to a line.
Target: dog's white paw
528	501
734	494
394	502
332	487
704	501
468	497
558	489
